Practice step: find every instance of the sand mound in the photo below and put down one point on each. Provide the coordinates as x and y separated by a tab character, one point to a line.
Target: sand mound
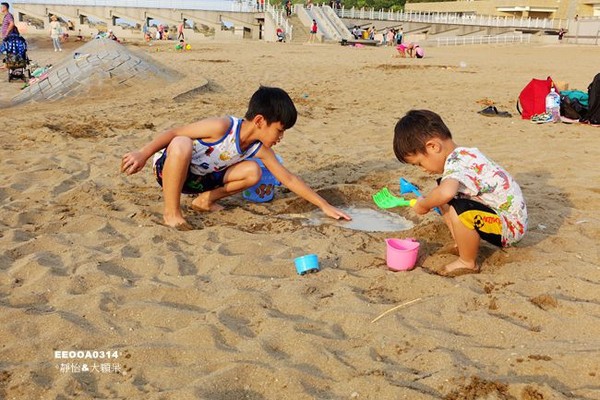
96	65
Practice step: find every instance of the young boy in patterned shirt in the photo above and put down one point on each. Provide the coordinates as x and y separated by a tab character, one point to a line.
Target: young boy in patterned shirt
477	197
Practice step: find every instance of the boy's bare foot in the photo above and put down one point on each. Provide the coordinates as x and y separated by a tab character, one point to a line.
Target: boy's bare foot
459	267
178	223
184	227
202	204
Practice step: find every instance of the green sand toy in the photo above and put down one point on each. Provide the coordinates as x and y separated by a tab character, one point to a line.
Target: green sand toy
385	199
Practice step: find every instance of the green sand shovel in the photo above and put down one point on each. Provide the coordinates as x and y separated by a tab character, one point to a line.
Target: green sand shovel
385	199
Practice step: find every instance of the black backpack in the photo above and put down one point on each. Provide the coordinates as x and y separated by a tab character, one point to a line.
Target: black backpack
572	108
593	114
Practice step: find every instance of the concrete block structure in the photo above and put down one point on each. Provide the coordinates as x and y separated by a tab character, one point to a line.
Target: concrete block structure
199	24
552	9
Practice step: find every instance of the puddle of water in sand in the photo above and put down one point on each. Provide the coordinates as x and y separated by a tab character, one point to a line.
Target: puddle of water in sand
363	219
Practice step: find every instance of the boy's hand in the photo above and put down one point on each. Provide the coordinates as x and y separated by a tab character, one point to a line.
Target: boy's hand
333	212
418	207
133	162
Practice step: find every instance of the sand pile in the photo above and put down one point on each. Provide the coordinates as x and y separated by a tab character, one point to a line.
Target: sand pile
98	64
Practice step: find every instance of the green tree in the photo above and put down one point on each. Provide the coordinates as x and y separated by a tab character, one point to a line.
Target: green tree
376	4
385	4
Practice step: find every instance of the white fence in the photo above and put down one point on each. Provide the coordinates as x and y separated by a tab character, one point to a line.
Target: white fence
209	5
464	40
452	18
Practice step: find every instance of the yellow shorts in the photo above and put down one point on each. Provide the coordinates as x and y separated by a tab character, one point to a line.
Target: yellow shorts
480	217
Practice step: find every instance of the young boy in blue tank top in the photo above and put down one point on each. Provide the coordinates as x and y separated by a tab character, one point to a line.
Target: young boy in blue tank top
478	198
209	157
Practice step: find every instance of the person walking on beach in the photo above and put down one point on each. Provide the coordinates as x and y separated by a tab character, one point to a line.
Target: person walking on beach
478	199
55	33
8	21
210	157
313	32
180	35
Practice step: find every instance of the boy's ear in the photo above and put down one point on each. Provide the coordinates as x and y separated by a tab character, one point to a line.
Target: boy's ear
433	146
259	121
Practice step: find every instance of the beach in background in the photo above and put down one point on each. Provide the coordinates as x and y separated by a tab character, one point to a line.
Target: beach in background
220	313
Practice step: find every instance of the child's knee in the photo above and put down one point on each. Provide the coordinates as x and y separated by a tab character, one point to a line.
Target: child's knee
253	173
180	146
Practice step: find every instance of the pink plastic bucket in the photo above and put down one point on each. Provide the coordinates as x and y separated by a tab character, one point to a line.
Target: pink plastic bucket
401	254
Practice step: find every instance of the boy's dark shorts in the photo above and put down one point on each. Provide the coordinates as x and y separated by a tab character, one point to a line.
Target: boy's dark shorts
193	184
480	217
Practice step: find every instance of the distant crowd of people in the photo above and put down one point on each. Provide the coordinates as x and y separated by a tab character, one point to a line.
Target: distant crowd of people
163	32
390	37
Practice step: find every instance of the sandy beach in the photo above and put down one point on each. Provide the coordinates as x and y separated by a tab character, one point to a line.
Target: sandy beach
219	312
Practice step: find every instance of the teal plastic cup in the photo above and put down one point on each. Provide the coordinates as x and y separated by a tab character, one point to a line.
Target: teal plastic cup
307	263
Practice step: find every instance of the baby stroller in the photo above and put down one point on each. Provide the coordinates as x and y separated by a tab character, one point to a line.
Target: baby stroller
14	47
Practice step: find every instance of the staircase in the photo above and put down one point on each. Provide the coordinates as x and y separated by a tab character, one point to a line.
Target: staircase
301	32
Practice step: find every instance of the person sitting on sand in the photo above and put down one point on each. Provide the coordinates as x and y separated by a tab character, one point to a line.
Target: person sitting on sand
180	46
209	157
280	34
401	48
418	51
112	36
410	49
478	199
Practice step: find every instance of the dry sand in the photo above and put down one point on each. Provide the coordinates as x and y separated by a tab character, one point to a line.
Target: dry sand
219	312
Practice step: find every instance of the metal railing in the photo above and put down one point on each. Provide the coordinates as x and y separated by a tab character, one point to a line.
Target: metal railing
279	17
451	18
209	5
464	40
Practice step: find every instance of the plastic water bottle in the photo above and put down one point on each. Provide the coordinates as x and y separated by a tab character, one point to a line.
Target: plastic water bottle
553	104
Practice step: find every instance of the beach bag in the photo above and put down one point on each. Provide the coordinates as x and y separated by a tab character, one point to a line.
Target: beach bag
593	115
532	99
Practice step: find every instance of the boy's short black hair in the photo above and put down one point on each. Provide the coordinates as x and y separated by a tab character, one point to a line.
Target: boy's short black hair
274	104
414	130
6	5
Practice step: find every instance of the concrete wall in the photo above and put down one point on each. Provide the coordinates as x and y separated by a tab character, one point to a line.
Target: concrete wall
491	7
246	24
